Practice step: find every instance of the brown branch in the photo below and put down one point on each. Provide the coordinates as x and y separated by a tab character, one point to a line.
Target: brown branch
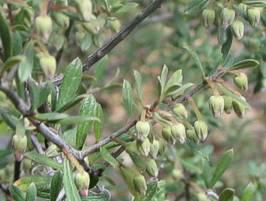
50	135
121	35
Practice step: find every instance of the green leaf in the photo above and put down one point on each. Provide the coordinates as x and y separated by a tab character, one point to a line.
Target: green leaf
51	116
12	61
16	193
248	193
73	120
38	94
5	35
72	103
128	101
162	79
195	58
196	6
228	39
26	66
108	157
56	185
69	185
44	160
70	84
181	90
221	166
227	194
173	83
247	63
155	192
4	157
96	197
89	108
42	182
139	87
31	193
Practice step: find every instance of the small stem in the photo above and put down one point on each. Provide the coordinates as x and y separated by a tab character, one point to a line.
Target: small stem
212	87
195	108
17	170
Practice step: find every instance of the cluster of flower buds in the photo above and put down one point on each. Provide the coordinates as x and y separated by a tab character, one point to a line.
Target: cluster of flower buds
179	132
82	181
143	129
231	17
180	111
19	142
48	64
151	168
154	148
144	147
44	26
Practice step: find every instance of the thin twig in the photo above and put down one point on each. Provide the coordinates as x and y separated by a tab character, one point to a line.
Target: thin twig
36	144
108	139
121	35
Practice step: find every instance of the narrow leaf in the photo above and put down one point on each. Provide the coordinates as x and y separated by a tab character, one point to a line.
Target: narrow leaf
108	157
226	41
227	195
56	185
139	88
40	181
128	101
221	166
26	66
51	116
69	185
70	84
89	108
16	193
248	193
31	193
5	35
247	63
44	160
195	58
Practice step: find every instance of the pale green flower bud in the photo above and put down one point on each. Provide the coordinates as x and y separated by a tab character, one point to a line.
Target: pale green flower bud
151	168
241	81
48	64
44	26
27	164
143	129
208	16
228	16
140	185
243	9
228	106
62	20
238	29
144	147
177	174
191	135
239	108
202	197
20	145
217	105
179	132
254	16
85	8
82	181
201	130
154	150
115	24
180	111
167	135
